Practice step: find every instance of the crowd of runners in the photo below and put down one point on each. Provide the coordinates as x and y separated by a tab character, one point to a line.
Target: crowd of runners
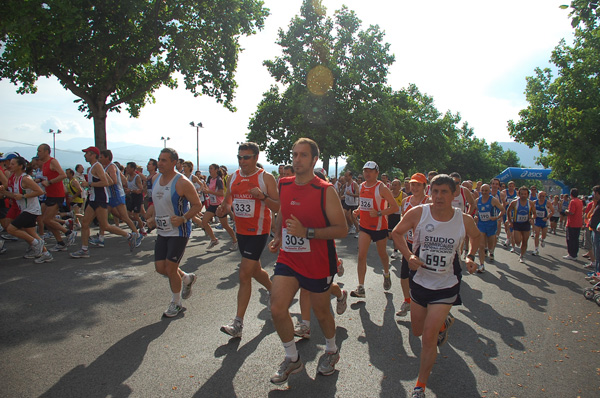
434	222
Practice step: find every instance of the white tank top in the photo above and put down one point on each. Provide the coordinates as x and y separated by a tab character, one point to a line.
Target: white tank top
460	201
437	243
168	203
27	205
348	199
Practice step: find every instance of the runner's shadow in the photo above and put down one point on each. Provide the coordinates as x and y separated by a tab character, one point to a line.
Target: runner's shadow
386	350
107	374
220	384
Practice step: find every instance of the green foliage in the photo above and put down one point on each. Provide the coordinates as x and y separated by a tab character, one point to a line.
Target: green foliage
563	116
115	53
310	105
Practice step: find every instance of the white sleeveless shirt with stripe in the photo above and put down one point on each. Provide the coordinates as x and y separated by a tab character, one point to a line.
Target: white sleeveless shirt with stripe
437	242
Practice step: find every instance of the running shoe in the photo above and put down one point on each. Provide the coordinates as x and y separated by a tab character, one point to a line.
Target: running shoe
342	303
480	268
542	243
9	237
80	254
59	248
302	330
443	335
327	362
186	291
46	257
286	369
138	240
2	248
96	241
47	235
358	292
568	257
220	227
491	257
418	392
505	244
395	254
172	310
234	329
387	282
404	308
131	241
234	246
589	266
212	244
340	267
512	249
536	252
521	260
30	253
39	248
71	238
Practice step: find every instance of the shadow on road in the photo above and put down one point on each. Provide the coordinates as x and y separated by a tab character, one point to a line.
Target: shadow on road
105	376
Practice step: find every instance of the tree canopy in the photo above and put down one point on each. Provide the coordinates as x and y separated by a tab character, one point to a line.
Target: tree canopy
331	86
563	116
115	53
330	73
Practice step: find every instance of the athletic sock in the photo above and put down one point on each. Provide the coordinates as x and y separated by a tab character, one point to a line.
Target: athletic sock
290	350
306	322
176	298
84	248
330	345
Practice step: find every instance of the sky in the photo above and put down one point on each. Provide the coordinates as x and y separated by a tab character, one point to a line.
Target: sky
471	56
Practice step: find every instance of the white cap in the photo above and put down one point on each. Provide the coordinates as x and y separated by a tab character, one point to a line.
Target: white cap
371	165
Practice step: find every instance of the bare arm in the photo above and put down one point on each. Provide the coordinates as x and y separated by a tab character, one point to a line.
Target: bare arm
473	234
409	221
271	197
392	205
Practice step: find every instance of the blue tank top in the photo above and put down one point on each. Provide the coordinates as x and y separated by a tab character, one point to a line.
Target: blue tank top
485	210
522	213
541	212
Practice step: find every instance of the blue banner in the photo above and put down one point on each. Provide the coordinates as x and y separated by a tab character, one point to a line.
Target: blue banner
514	173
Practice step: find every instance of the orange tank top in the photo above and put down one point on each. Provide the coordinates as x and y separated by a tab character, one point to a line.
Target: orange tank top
252	216
371	199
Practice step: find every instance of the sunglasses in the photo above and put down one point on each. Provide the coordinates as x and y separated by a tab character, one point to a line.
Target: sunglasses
245	157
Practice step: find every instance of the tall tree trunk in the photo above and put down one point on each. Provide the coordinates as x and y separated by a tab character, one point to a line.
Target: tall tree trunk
326	164
100	129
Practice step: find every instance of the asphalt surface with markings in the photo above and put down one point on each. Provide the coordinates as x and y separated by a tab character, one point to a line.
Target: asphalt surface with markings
93	328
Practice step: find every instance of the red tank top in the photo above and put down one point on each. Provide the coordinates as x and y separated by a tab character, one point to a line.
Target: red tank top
370	198
56	190
312	258
252	216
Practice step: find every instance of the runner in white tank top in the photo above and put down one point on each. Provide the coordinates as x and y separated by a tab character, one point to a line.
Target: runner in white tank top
435	268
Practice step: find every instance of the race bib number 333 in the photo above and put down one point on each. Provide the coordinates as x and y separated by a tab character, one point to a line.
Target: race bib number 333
244	208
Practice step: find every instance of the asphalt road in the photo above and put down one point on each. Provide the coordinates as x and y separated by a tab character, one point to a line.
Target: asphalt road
93	328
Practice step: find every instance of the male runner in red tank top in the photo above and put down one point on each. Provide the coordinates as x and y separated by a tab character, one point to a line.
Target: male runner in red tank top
310	218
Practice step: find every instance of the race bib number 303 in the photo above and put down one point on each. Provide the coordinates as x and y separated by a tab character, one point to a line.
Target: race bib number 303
294	244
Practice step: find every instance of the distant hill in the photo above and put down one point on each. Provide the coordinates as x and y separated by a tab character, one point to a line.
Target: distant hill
527	156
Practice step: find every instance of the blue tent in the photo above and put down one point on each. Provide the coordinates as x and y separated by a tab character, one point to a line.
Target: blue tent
512	173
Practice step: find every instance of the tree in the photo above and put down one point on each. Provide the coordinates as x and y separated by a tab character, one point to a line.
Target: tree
115	53
563	116
329	75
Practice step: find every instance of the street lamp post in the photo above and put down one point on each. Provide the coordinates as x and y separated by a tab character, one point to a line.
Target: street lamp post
198	127
54	140
165	139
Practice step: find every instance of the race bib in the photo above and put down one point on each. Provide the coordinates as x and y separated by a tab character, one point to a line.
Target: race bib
212	199
484	216
522	217
366	204
294	244
409	235
244	208
540	213
164	223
